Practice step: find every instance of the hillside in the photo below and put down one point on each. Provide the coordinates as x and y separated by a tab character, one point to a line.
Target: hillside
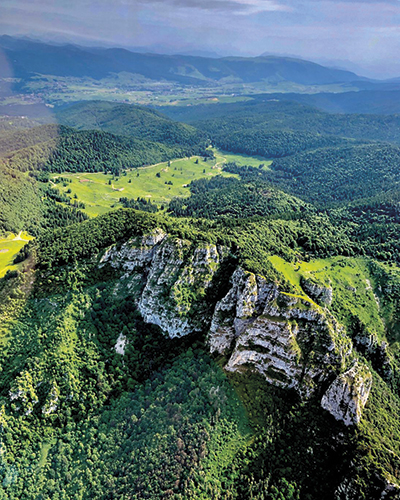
128	120
30	154
379	102
266	114
344	174
90	151
129	376
28	205
233	332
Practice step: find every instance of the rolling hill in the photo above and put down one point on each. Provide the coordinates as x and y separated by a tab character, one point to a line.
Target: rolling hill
128	120
27	58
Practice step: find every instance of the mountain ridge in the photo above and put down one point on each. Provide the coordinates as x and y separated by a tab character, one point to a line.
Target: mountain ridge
28	57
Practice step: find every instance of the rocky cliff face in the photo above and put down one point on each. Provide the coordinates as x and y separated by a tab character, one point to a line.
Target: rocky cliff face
347	395
290	340
168	278
320	293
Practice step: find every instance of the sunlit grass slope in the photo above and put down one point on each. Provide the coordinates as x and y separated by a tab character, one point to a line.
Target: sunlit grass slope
158	183
9	247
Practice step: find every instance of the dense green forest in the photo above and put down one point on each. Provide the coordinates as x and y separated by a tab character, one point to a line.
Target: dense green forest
267	114
108	424
274	144
367	226
133	121
224	196
99	400
334	175
62	149
28	205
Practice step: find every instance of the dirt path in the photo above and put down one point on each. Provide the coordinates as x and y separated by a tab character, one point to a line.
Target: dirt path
223	160
19	238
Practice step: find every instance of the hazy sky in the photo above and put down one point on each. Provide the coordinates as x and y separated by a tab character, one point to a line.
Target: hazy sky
365	32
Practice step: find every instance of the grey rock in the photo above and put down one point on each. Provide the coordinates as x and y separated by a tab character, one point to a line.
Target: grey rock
348	394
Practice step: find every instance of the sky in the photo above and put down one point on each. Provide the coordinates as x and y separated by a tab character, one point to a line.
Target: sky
362	35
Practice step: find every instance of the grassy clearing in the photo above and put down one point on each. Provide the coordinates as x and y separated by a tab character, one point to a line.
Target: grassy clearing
253	161
352	285
158	183
44	451
9	247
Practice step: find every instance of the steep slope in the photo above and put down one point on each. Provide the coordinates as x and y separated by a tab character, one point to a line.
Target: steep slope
88	151
28	205
119	324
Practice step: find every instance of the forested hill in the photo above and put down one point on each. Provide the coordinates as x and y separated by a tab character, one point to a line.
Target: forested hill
339	175
129	120
268	115
28	151
62	149
382	101
28	205
275	143
118	406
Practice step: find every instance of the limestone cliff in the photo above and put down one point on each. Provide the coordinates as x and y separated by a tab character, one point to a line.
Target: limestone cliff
347	395
290	340
168	278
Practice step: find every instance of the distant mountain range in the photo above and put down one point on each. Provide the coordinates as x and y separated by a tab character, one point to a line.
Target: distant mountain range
27	57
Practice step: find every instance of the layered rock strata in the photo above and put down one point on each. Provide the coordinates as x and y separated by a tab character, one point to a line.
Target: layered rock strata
290	340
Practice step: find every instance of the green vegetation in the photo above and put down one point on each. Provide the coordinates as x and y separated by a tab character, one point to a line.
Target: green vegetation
274	144
337	175
351	282
133	121
26	154
158	183
27	205
228	197
9	248
164	405
58	149
97	403
162	424
266	115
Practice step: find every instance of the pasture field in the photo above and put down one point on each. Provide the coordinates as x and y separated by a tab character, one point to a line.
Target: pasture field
158	183
252	161
9	247
351	282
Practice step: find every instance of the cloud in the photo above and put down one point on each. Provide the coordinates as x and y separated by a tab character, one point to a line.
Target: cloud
359	30
241	6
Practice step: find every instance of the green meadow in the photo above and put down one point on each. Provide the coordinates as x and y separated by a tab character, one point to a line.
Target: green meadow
351	282
9	247
158	183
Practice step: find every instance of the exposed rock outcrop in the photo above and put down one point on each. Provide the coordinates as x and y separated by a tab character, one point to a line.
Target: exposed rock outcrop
320	293
348	394
246	298
288	339
167	277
